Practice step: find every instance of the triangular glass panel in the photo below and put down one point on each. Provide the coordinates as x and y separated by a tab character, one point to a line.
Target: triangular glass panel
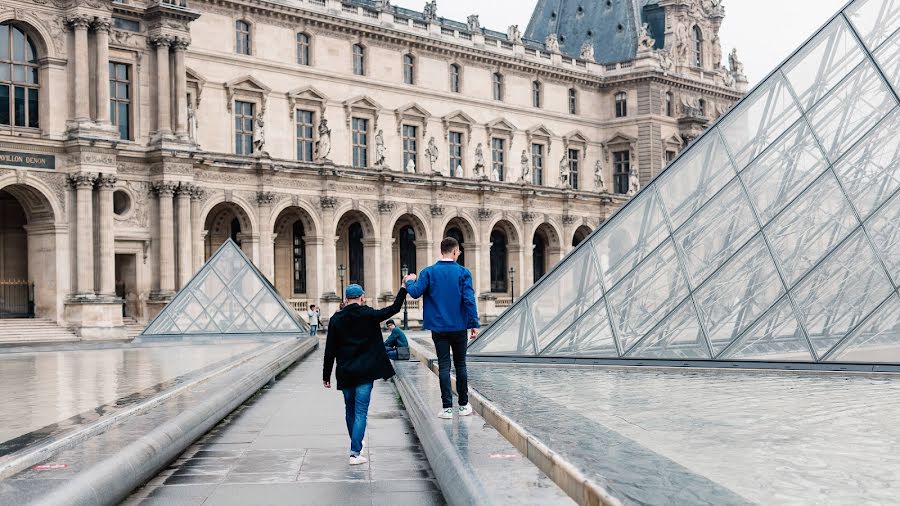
678	337
510	336
227	296
776	337
875	341
591	336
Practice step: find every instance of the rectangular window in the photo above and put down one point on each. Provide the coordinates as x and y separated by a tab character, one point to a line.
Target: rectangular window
536	94
410	147
242	37
120	98
243	127
126	24
497	151
621	171
302	49
359	60
456	153
573	101
574	161
498	87
304	135
621	104
670	155
455	78
360	131
537	164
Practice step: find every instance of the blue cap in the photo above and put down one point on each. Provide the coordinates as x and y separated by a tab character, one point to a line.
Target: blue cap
354	291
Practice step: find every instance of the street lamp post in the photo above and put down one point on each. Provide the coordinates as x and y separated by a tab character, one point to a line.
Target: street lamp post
404	271
512	283
341	272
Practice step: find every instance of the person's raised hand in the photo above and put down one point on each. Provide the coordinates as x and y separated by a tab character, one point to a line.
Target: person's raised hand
327	384
410	277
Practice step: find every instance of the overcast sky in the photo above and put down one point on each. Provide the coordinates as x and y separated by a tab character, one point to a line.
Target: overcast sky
764	31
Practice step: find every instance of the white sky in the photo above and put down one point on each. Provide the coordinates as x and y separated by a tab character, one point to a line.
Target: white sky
764	31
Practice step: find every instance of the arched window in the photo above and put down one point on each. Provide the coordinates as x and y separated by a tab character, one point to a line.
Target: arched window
458	235
539	255
409	69
303	49
698	47
408	248
702	104
621	104
242	37
498	86
455	78
355	253
359	60
299	252
498	262
18	78
536	94
670	104
573	101
235	231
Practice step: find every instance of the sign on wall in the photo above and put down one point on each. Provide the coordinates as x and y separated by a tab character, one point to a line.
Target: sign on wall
27	160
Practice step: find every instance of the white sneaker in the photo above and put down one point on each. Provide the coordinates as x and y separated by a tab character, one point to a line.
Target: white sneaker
356	460
446	414
465	410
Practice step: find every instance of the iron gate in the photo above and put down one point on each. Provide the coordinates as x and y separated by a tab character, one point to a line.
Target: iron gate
16	299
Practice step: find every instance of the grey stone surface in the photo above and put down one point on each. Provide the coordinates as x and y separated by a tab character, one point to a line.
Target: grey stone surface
288	445
699	436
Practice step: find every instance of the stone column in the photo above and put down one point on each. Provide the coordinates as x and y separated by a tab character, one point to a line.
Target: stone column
197	227
266	241
185	249
163	100
83	183
80	24
180	45
101	29
166	190
329	246
105	185
437	231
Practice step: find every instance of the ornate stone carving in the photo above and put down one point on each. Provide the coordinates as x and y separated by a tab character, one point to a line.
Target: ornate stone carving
328	202
431	153
77	21
265	198
165	188
599	183
526	166
385	207
437	211
474	23
528	216
101	24
734	63
181	43
107	181
568	219
380	149
82	180
485	214
323	145
430	12
259	135
634	183
479	161
645	41
666	63
552	43
513	34
197	193
160	40
587	50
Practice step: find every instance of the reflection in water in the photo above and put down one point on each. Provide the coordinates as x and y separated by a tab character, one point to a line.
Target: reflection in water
40	389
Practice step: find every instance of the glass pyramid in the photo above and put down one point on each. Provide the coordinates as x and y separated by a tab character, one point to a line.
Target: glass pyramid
228	296
774	237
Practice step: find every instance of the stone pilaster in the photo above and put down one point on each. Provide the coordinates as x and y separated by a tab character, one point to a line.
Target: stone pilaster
180	45
165	191
329	246
185	226
163	99
197	227
79	25
83	183
264	200
105	185
101	29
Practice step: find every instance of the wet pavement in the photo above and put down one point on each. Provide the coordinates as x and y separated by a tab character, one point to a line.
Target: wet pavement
657	436
288	445
44	392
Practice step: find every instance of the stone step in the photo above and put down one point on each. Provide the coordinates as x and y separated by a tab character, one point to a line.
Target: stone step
24	330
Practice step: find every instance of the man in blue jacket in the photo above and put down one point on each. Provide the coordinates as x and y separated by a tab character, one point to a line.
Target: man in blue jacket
450	314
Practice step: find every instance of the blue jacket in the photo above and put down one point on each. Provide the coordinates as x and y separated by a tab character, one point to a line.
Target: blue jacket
449	297
397	339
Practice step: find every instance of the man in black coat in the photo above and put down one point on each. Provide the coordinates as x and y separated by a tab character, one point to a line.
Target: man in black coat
354	340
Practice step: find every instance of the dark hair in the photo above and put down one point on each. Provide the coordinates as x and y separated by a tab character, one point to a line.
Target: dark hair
390	322
448	245
312	306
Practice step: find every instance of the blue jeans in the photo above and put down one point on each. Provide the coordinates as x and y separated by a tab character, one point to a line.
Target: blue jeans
356	406
312	330
391	353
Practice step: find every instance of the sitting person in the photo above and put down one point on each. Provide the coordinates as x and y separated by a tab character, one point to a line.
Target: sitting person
397	346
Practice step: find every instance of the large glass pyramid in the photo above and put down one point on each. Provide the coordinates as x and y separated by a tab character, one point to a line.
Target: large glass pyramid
774	237
228	296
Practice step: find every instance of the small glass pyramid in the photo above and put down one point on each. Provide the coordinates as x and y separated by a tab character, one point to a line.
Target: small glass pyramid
775	237
228	296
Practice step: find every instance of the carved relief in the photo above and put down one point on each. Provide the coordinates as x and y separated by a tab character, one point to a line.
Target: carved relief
140	196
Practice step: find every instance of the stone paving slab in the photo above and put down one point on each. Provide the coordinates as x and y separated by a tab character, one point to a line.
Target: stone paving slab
288	445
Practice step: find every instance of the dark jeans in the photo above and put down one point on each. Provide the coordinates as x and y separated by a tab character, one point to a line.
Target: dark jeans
444	342
356	408
391	353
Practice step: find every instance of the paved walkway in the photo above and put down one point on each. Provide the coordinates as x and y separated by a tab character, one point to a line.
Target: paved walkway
289	445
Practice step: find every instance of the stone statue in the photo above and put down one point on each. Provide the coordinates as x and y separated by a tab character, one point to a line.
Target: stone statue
259	135
682	42
479	161
634	184
431	153
564	171
599	183
734	63
380	149
323	145
552	43
526	166
192	122
728	79
495	174
665	60
474	23
430	12
716	52
411	166
383	5
587	50
513	34
645	41
459	171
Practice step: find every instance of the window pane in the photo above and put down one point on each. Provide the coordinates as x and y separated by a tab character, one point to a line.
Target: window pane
876	340
590	336
884	229
888	58
19	106
18	44
512	336
31	75
122	91
5	72
4	42
19	73
33	114
4	104
678	337
124	123
777	336
870	173
875	20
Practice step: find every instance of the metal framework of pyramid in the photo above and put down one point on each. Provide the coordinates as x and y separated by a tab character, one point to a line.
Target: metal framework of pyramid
775	237
228	296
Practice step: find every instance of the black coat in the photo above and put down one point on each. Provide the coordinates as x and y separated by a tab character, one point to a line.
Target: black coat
354	339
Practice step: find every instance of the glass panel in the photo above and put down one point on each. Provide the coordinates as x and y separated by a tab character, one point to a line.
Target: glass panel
851	110
124	123
19	73
888	58
870	173
19	106
759	120
4	104
564	296
738	294
642	299
876	340
630	237
591	336
716	232
4	72
823	62
679	337
775	337
875	20
698	175
783	171
18	44
840	293
33	114
4	42
884	230
510	336
811	227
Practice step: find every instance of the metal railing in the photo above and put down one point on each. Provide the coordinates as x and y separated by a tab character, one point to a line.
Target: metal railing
16	298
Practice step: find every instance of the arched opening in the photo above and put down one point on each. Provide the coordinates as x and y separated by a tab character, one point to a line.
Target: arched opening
356	256
499	261
19	83
410	246
580	235
539	254
458	235
227	220
459	229
697	47
295	256
357	251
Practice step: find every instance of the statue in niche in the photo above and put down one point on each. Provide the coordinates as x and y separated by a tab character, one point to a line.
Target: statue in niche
259	135
526	166
431	153
634	183
323	145
735	64
587	50
474	23
599	183
495	174
479	161
411	166
380	149
552	43
459	171
564	171
513	34
682	41
716	52
430	12
665	61
645	41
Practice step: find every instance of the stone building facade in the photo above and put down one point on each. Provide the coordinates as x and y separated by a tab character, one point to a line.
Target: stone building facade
335	142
